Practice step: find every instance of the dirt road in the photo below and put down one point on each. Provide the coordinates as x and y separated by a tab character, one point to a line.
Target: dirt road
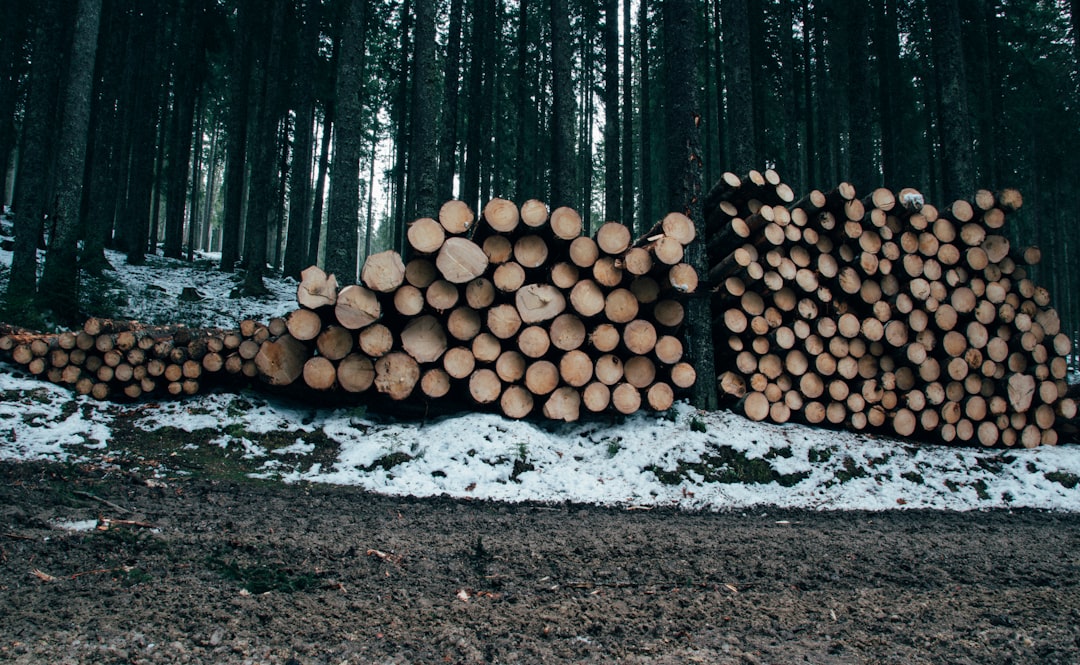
208	571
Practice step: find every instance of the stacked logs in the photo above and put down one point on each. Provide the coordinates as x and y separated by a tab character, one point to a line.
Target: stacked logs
125	359
519	310
883	312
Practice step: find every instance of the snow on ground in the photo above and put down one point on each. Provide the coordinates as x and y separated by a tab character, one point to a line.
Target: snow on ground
685	458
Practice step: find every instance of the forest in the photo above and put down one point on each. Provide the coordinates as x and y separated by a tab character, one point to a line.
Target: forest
279	134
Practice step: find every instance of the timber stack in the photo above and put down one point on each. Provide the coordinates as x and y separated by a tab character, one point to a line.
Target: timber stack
883	313
518	311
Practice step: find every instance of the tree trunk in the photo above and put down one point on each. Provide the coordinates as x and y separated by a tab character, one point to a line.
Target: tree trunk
684	175
31	193
300	174
343	223
449	137
237	135
954	122
613	200
563	160
739	80
187	70
426	102
60	282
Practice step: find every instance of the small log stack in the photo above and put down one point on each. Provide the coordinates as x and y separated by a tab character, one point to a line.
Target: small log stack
883	313
516	311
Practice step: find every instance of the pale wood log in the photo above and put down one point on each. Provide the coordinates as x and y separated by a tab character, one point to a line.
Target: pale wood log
503	321
424	339
480	293
357	307
320	373
596	397
425	235
484	386
606	271
486	347
996	247
586	298
435	383
516	402
510	366
576	368
608	369
396	375
660	396
456	217
420	273
534	213
408	300
442	295
683	278
584	252
498	249
316	288
501	215
564	275
541	377
637	261
683	375
621	306
639	371
680	227
279	362
509	277
626	398
565	223
376	340
304	324
335	342
605	337
534	342
383	272
461	260
539	302
1021	391
530	251
567	332
639	336
613	238
463	323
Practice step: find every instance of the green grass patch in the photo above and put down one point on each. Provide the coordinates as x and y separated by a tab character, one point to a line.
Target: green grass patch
261	578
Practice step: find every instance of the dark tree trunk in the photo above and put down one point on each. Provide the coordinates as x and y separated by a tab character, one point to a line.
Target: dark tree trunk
476	106
236	136
187	70
196	168
401	120
739	82
449	137
810	162
563	160
103	170
211	187
957	158
976	40
266	68
343	222
645	123
31	193
315	233
60	281
612	133
887	43
787	98
862	170
684	171
627	212
300	175
15	30
425	113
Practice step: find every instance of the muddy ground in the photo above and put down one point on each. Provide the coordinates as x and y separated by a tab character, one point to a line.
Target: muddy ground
212	571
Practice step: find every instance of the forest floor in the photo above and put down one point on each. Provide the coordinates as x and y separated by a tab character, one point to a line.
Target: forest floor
103	566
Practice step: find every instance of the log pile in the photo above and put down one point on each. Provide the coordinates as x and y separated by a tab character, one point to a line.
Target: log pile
883	313
516	311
